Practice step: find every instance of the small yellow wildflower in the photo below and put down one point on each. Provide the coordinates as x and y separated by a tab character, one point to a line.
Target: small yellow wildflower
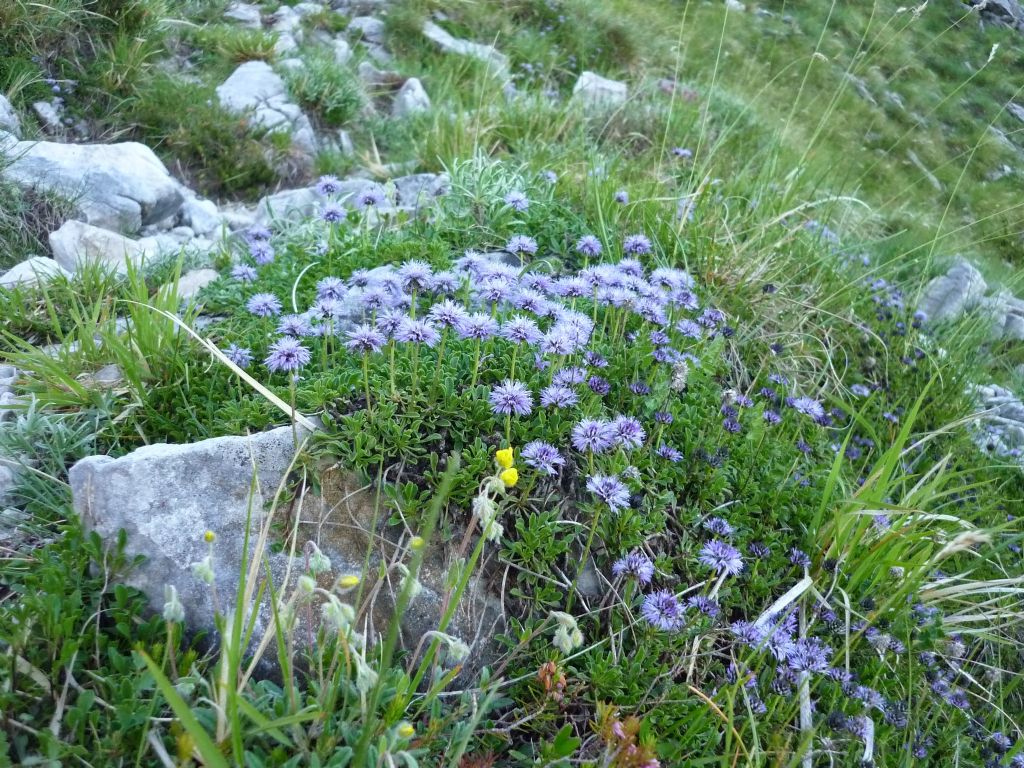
510	477
405	730
417	542
347	582
209	536
504	458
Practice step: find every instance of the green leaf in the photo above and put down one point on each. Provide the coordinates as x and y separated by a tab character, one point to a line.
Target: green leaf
207	749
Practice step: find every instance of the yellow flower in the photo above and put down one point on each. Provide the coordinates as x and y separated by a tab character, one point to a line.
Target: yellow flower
347	582
510	477
405	730
417	542
209	536
504	458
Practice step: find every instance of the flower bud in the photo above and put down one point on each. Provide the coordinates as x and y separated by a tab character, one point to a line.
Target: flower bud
504	457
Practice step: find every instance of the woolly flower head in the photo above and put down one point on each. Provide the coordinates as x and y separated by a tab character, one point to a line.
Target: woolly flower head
722	557
637	245
286	354
610	490
517	201
521	244
263	305
663	611
511	398
636	565
588	245
542	456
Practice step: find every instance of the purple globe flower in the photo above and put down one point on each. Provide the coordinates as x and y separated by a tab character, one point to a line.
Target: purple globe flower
286	354
610	490
860	390
808	406
333	213
542	456
636	565
364	339
447	314
263	305
511	398
621	197
294	325
628	432
771	417
718	526
721	557
240	356
521	244
705	605
663	611
331	288
521	330
478	326
570	375
809	655
637	245
799	558
589	246
370	198
243	272
328	185
262	252
517	201
417	332
558	396
666	451
257	234
415	275
593	435
599	385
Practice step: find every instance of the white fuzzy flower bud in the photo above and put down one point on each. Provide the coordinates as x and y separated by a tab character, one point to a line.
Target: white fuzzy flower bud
307	584
318	561
203	570
338	615
562	640
173	609
366	677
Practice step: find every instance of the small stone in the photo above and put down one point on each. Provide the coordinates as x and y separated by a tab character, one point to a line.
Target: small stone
594	91
48	113
368	28
108	377
193	281
342	50
9	120
411	99
201	215
34	271
245	14
948	296
496	61
76	243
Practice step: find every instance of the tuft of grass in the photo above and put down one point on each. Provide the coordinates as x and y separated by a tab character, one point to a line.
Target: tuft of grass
331	93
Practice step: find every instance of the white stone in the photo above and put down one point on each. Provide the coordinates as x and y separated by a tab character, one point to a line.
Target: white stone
49	115
497	61
307	9
201	215
592	90
33	271
9	120
115	186
950	295
342	50
193	281
76	243
245	14
255	87
291	65
411	99
368	28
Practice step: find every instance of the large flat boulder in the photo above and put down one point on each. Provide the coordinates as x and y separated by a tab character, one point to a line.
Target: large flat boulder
121	187
165	497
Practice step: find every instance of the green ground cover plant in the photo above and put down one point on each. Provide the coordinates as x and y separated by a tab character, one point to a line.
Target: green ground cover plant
653	375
